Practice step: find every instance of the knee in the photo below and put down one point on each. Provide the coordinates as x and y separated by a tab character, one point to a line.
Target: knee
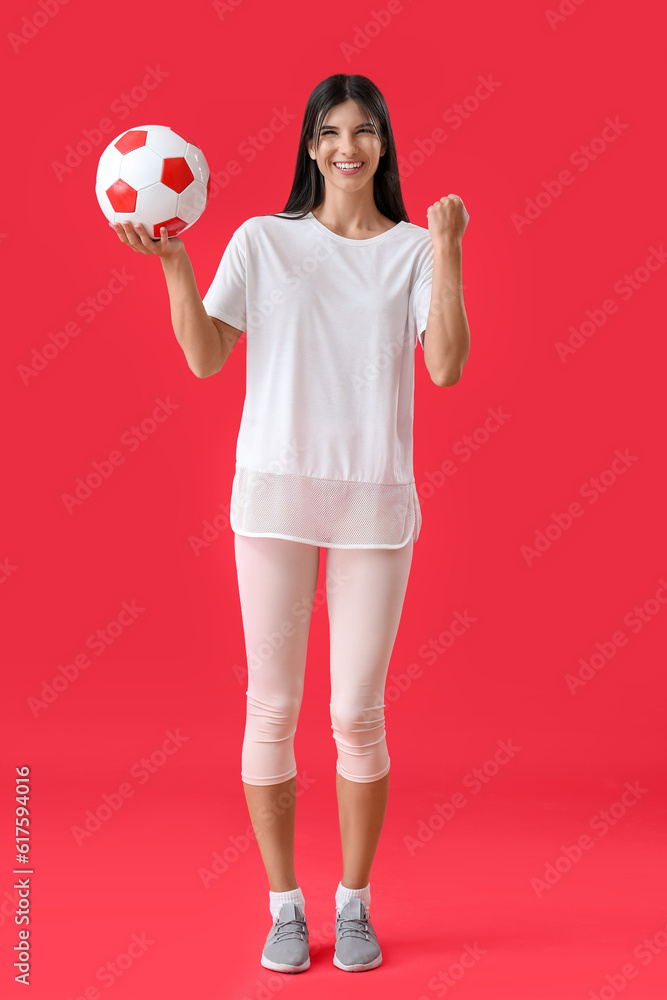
281	709
349	719
359	734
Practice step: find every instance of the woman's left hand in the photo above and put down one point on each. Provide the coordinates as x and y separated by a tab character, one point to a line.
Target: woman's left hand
447	220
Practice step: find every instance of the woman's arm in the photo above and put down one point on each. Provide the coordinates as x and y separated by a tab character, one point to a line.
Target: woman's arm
447	336
206	342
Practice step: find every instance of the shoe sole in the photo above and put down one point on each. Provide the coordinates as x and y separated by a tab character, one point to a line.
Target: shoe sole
283	967
357	968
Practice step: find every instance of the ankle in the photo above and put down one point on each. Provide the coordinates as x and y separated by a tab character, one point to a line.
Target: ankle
276	900
344	895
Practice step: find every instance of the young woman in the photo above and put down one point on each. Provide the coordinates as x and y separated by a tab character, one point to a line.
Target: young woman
334	294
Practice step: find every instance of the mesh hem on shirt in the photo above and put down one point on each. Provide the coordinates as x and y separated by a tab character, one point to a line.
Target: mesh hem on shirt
329	512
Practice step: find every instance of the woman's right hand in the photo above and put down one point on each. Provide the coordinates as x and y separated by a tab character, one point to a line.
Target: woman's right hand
140	241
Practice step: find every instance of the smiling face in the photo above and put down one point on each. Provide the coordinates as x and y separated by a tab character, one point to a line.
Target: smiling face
348	137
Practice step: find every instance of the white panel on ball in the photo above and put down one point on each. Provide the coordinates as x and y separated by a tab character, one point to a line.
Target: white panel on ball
108	170
166	143
157	202
103	201
192	202
198	165
141	167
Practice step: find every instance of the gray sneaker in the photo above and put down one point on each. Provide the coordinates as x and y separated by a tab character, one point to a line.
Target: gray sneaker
286	948
357	945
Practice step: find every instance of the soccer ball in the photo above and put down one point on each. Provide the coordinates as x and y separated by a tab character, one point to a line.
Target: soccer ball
149	174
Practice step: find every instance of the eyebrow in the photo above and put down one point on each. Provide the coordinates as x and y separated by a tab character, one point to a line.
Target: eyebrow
358	126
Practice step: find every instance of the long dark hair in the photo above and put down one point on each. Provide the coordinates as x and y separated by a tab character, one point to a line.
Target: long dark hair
308	184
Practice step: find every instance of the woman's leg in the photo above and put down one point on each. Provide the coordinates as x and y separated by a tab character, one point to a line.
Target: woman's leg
277	579
365	592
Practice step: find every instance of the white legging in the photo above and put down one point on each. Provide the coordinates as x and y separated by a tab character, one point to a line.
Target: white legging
365	588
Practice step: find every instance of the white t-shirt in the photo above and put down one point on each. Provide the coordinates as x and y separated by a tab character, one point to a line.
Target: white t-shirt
324	452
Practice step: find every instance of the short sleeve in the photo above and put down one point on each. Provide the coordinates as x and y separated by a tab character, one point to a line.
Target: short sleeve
420	296
226	297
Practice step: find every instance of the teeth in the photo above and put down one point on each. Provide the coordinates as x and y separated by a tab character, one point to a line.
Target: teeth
348	166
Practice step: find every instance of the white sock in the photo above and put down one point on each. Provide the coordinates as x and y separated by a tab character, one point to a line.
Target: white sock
343	895
276	900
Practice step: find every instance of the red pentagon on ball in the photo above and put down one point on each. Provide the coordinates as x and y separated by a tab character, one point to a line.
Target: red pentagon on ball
131	140
173	226
176	173
123	198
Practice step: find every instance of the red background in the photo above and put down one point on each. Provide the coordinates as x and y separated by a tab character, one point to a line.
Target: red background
179	667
